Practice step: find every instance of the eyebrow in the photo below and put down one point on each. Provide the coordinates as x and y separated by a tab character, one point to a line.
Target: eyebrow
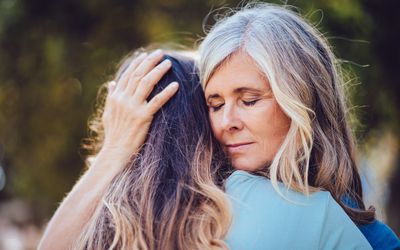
213	96
237	91
246	89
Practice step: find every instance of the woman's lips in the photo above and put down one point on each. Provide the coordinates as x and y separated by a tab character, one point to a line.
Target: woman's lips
237	147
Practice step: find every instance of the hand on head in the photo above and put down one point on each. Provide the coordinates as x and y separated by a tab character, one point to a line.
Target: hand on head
127	113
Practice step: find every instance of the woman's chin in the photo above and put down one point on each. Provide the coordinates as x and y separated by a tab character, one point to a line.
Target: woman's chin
245	165
249	164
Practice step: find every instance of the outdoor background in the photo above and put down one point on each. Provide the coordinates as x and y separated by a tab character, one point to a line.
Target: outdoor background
55	53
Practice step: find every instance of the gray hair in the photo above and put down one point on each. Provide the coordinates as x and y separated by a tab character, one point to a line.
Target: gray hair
305	79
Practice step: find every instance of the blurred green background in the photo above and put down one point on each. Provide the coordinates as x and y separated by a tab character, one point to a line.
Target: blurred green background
54	54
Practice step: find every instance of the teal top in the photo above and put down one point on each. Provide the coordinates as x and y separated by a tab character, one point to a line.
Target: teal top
263	219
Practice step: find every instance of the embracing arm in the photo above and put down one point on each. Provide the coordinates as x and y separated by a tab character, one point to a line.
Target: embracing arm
126	119
339	231
378	234
78	206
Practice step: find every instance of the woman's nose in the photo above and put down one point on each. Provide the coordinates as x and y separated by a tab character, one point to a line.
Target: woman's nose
231	121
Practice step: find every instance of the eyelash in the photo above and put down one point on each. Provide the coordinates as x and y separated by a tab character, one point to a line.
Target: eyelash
215	109
250	103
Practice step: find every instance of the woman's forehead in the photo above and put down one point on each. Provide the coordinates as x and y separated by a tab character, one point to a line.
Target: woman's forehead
238	74
237	88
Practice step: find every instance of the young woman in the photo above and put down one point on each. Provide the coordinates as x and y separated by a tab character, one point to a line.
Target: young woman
163	195
167	197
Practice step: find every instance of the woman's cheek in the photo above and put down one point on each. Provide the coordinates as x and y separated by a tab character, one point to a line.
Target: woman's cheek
214	125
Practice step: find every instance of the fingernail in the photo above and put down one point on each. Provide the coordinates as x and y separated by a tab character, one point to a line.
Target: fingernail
167	62
174	85
156	52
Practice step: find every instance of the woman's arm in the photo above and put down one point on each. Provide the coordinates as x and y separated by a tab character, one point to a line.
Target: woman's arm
339	231
78	206
126	120
378	234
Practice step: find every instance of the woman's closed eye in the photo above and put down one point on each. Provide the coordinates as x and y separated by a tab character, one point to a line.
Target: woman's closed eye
215	108
250	103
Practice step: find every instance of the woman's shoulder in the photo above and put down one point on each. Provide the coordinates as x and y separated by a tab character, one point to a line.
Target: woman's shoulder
285	219
248	186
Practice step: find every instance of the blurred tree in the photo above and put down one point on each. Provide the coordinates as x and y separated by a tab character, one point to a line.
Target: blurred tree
386	105
54	55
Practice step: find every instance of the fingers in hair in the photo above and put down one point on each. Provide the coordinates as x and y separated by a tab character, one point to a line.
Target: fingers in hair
163	97
148	82
126	76
144	68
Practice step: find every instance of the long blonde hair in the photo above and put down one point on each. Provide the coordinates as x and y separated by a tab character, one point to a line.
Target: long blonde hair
305	77
170	196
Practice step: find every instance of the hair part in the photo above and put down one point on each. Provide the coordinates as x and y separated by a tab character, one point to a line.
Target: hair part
306	80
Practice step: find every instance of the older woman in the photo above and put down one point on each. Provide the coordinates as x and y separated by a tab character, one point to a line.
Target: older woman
277	106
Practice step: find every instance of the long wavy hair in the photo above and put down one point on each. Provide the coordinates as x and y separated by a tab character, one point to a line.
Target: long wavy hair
170	196
307	83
